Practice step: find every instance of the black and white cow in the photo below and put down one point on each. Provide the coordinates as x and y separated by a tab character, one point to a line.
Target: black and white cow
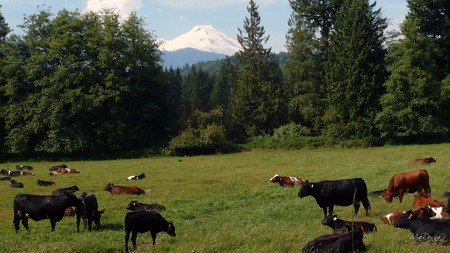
15	184
136	177
44	207
90	212
342	192
24	167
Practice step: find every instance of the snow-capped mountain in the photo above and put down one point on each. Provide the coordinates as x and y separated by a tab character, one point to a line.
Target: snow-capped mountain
204	38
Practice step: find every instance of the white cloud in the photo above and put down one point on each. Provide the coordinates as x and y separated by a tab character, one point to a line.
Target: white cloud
208	3
123	7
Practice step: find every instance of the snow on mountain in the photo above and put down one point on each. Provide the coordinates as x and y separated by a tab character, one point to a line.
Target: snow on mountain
203	38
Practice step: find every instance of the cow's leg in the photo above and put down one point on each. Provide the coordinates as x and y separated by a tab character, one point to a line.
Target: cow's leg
153	237
400	195
330	210
16	222
53	223
127	237
356	204
366	205
25	223
133	238
324	212
89	223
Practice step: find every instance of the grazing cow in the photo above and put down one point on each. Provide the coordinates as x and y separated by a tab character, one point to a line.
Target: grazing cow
136	206
422	199
117	189
67	171
286	181
424	229
379	193
144	222
424	212
57	167
90	210
339	192
63	191
45	183
5	178
342	226
15	184
413	181
23	167
422	161
43	207
136	177
348	242
15	173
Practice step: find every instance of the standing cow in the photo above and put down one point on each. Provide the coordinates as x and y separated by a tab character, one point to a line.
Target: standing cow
413	181
44	207
90	212
339	192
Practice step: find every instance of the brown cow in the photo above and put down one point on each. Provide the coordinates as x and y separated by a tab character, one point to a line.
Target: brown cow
422	199
422	161
423	212
413	181
117	189
286	181
67	171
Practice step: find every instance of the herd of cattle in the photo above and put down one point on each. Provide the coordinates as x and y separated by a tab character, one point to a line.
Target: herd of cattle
426	221
64	202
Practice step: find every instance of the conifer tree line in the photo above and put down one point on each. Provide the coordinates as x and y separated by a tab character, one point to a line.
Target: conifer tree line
80	83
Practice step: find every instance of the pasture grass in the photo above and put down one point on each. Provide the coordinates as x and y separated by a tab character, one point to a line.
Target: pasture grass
225	203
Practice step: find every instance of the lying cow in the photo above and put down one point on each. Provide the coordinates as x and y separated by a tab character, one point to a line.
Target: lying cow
90	212
342	226
422	161
62	191
441	212
5	178
15	184
423	199
414	181
23	167
424	212
286	181
339	192
141	222
136	177
117	189
15	173
348	242
45	183
136	206
43	207
57	167
67	171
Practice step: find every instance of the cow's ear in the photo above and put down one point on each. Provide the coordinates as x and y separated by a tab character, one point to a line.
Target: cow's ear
102	211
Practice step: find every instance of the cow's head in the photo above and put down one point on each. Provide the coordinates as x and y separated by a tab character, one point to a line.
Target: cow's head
171	229
132	205
388	197
431	160
404	220
96	217
306	189
109	187
275	178
426	212
329	220
4	172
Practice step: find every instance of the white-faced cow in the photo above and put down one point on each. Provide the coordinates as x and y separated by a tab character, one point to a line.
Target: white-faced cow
44	207
342	192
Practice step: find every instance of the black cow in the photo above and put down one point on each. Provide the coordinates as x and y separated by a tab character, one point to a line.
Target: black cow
423	228
90	210
23	167
57	167
136	206
43	207
63	191
5	178
45	183
15	184
348	242
144	222
339	192
342	226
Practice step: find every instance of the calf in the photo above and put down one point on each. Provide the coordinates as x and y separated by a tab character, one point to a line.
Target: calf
413	181
43	207
45	183
424	229
423	161
339	192
117	189
348	242
286	181
90	210
424	199
23	167
62	191
136	206
15	184
144	222
136	177
342	226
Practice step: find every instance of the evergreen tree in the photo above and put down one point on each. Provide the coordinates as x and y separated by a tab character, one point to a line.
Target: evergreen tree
257	104
221	91
417	101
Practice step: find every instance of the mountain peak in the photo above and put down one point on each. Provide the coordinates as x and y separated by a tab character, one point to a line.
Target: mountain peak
203	38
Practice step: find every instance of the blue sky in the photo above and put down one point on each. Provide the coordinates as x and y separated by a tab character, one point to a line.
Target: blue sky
167	19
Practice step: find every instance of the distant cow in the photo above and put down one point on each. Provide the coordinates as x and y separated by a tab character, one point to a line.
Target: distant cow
15	184
423	199
117	189
90	212
286	181
15	173
348	242
141	222
45	183
67	171
339	192
136	177
23	167
57	167
342	226
5	178
62	191
136	206
43	207
414	181
423	161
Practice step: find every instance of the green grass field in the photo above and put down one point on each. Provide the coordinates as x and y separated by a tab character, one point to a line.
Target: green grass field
225	203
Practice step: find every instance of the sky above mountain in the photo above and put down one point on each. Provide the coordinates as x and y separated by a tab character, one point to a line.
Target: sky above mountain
167	19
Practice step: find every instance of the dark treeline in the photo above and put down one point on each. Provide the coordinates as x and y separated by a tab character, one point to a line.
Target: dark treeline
87	83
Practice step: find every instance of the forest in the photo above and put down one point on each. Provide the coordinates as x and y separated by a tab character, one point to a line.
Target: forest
76	83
